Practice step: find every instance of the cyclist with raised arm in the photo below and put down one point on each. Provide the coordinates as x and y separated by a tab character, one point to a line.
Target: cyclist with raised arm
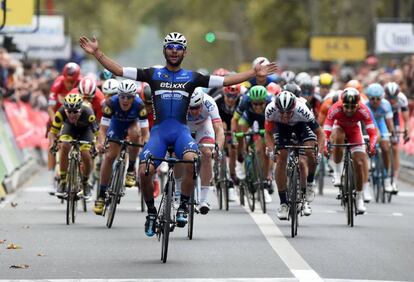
124	115
286	115
250	111
204	119
383	116
172	87
342	122
61	86
74	121
399	104
227	103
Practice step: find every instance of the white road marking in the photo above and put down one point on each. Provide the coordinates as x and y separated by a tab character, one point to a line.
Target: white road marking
293	260
397	214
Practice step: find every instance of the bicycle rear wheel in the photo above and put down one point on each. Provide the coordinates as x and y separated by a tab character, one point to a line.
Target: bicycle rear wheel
293	210
114	192
166	221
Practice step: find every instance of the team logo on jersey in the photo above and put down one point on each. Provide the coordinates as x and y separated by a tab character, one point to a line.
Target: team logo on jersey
209	105
91	118
107	110
171	85
305	114
143	113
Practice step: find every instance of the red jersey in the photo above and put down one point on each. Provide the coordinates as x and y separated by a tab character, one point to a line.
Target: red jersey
96	102
349	124
58	91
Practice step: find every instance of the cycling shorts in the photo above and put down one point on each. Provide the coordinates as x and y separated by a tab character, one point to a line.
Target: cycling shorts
204	132
354	135
169	132
71	132
118	130
283	133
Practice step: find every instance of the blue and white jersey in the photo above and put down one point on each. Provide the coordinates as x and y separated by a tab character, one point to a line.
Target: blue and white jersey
112	112
171	91
384	111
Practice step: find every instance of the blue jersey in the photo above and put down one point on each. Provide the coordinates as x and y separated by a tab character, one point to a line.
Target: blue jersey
384	111
171	91
112	110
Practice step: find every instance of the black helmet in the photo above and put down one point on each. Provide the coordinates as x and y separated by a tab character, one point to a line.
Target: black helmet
293	88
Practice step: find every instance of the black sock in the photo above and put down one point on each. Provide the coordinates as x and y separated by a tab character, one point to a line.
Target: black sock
311	177
102	191
184	201
131	166
283	197
150	206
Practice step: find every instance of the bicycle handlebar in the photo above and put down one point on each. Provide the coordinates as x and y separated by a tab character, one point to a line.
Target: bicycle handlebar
173	161
124	142
244	134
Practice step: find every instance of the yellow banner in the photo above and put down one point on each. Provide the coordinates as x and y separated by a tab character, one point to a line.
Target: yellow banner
18	12
332	48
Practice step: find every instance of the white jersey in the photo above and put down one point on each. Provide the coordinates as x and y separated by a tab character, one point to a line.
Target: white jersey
301	113
402	103
209	113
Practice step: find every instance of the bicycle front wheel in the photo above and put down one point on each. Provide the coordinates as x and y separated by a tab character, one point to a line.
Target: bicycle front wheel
259	182
166	221
191	210
349	183
115	192
293	194
72	182
321	176
217	183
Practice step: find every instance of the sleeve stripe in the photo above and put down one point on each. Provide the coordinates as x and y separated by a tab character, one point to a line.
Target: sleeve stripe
130	73
327	127
370	126
216	81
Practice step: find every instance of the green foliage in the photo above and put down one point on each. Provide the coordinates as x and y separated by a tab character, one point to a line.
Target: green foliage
263	26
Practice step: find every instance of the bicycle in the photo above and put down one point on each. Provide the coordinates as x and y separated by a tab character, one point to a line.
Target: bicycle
347	187
254	181
221	181
73	180
165	221
296	194
116	188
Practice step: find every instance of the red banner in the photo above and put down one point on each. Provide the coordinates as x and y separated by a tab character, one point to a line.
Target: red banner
28	125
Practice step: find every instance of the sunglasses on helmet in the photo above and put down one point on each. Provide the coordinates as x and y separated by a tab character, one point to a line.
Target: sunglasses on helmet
171	46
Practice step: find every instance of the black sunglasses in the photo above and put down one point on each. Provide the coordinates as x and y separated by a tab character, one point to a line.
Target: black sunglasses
196	107
73	111
375	98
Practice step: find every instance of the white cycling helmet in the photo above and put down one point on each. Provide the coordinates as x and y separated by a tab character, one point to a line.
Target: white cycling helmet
87	87
175	37
285	101
287	76
302	77
197	98
110	87
258	60
392	89
128	87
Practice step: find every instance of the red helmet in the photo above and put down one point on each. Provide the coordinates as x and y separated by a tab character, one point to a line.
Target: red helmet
71	71
87	87
273	88
144	91
232	89
221	72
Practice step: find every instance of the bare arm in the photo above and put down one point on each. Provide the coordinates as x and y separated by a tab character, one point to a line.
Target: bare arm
219	132
390	124
144	134
260	71
92	47
406	117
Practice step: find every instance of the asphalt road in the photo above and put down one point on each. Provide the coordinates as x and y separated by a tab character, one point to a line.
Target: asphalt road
228	246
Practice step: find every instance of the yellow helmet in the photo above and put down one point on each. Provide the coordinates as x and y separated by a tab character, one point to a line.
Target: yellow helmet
73	101
326	79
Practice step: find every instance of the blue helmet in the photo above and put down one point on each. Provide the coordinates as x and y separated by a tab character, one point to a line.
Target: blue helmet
375	90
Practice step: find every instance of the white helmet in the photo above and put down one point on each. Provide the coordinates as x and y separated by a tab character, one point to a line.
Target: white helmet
285	101
87	87
197	98
110	87
287	76
128	87
175	37
258	60
302	77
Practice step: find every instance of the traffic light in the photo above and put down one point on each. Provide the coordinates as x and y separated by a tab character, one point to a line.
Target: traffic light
210	37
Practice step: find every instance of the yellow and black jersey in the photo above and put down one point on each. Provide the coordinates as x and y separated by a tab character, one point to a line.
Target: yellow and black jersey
87	119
